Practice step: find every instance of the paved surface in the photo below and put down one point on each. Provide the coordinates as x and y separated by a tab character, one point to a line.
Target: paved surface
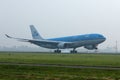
60	65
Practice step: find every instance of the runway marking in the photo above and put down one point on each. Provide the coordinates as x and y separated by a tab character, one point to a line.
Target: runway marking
61	65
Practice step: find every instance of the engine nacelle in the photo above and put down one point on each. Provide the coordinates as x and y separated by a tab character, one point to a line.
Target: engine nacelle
90	47
62	45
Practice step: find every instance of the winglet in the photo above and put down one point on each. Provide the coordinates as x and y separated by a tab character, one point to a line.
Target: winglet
8	36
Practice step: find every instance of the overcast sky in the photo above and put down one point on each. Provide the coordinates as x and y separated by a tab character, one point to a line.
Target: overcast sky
56	18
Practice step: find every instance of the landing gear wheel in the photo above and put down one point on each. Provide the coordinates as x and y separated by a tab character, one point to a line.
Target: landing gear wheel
73	51
57	51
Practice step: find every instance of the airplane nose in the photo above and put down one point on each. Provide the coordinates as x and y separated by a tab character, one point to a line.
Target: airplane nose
104	39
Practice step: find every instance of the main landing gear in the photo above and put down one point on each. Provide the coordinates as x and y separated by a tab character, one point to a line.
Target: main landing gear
96	50
73	51
57	51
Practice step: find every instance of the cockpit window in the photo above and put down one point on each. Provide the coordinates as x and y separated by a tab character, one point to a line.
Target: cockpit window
100	36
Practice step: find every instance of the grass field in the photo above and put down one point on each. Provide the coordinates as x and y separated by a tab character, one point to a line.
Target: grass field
12	72
20	72
66	59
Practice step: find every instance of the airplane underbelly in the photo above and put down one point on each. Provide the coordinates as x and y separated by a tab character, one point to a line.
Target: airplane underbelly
49	46
86	42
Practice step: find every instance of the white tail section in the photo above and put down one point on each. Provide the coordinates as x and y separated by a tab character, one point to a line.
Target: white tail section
35	33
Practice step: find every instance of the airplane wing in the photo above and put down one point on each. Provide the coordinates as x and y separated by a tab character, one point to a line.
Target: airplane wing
19	39
34	41
42	43
30	40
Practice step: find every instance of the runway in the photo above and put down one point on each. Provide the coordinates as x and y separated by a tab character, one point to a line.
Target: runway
61	65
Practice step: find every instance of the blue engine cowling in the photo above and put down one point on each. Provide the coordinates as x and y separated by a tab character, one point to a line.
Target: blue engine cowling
91	47
62	45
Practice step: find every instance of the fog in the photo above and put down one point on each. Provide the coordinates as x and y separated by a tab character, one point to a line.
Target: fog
56	18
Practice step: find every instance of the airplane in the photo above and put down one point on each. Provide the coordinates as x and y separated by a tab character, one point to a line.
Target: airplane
88	41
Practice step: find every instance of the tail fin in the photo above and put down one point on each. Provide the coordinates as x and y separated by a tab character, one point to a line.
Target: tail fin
35	33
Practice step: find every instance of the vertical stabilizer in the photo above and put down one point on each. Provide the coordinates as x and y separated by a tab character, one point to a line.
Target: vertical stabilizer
35	33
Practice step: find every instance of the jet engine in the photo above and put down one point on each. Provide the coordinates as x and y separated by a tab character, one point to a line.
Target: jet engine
62	45
90	47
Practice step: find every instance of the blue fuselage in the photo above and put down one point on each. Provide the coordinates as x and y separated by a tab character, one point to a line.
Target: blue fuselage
81	40
76	38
